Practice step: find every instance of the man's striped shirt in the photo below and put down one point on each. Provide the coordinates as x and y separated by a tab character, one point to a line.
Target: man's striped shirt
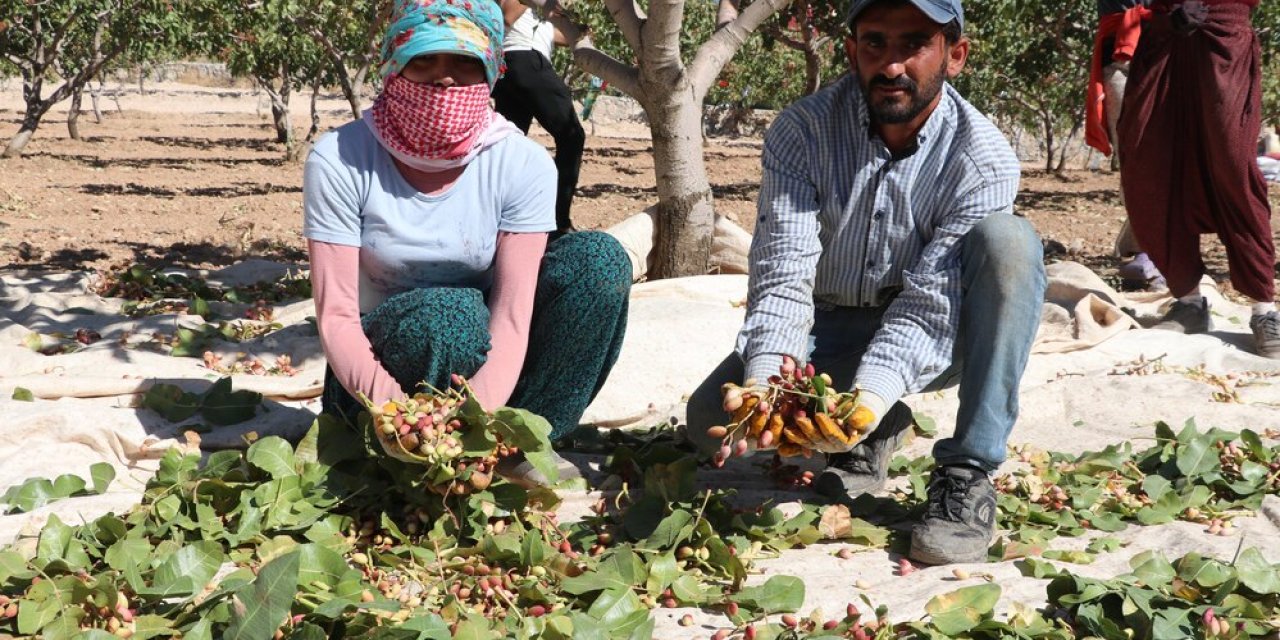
844	223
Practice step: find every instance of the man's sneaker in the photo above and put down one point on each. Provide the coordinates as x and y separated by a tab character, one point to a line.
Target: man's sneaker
865	468
1266	334
959	519
518	470
1186	317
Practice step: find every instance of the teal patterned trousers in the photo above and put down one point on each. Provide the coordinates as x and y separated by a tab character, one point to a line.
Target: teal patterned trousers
579	318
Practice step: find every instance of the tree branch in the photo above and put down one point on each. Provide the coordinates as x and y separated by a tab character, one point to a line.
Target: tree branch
717	51
59	36
726	12
622	76
630	19
661	35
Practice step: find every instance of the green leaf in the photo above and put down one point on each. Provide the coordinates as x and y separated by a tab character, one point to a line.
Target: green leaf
1250	440
670	530
620	569
259	608
29	495
67	485
187	570
1105	544
273	455
663	570
778	594
102	474
222	406
1256	573
55	538
925	426
200	307
961	610
23	394
1152	568
1074	557
617	609
1156	486
1197	457
689	590
171	402
14	567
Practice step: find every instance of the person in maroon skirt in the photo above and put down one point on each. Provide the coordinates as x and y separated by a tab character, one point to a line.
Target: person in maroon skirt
1188	129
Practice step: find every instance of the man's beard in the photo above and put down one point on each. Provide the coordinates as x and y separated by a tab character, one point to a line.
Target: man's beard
890	111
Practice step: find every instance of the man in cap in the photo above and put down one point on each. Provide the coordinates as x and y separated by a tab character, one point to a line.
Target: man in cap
886	253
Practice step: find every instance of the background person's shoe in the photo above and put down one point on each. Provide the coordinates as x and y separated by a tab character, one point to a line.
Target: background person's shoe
1266	334
1140	274
1186	317
865	468
959	519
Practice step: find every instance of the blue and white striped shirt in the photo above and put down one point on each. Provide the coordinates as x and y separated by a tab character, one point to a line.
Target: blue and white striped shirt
844	223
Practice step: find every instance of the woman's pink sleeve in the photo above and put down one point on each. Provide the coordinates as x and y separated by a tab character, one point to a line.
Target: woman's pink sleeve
335	284
515	280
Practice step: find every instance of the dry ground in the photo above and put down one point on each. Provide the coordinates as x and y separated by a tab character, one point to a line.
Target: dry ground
192	176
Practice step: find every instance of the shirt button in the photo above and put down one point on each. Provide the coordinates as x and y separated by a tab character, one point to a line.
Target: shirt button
879	214
871	263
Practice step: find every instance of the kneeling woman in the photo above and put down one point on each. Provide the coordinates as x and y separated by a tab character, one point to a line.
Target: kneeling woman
427	223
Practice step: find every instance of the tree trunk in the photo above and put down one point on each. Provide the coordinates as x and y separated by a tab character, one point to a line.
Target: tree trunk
686	217
73	113
280	112
812	69
93	99
315	114
357	83
29	124
1066	145
1047	121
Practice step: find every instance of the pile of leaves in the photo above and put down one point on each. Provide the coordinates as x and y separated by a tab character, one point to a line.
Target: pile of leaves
151	290
1205	477
334	538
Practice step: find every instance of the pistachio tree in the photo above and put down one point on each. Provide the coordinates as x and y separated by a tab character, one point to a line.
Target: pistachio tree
68	42
670	78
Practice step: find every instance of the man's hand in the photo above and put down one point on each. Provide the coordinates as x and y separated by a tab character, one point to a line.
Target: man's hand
868	411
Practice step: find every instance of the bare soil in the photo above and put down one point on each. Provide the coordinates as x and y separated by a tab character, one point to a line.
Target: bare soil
192	176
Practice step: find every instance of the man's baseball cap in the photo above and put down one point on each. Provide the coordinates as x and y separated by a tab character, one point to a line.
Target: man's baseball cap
940	11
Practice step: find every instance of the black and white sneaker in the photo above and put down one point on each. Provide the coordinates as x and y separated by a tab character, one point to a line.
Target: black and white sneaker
959	519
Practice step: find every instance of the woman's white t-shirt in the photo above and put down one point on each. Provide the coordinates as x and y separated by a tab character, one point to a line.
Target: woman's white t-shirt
354	195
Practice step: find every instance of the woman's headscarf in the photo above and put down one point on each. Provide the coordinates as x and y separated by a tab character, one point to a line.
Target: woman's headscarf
429	127
420	27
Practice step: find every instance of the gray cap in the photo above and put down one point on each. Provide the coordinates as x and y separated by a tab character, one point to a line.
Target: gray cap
940	11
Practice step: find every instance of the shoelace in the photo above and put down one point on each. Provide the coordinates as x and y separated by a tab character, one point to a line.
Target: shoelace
1270	326
952	492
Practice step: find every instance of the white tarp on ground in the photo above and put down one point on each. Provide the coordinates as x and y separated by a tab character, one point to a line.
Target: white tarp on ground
1075	397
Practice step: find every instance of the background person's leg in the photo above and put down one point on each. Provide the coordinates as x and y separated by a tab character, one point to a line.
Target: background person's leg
512	92
579	318
552	107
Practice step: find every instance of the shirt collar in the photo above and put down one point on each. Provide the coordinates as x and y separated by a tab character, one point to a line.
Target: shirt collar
938	120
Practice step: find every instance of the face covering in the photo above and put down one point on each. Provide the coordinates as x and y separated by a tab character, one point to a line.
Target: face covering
430	127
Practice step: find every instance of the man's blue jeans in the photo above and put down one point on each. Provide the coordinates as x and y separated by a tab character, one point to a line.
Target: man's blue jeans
1003	281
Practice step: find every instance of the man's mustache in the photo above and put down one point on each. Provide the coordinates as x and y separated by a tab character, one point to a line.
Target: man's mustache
901	82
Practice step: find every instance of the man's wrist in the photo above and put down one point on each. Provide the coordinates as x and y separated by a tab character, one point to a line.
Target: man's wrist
761	366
